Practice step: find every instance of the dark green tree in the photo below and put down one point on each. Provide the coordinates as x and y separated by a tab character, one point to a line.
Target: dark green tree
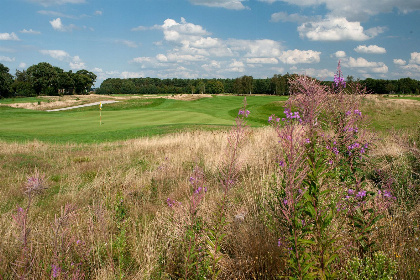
6	81
43	78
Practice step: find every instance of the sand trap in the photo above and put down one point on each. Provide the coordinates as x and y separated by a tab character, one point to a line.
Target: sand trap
84	105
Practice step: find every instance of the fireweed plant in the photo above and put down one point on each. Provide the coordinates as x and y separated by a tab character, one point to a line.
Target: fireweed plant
202	241
320	178
35	184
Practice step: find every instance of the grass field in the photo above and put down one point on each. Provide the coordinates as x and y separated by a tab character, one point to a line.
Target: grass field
79	200
131	118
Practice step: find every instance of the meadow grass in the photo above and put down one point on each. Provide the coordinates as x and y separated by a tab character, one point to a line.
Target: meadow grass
102	211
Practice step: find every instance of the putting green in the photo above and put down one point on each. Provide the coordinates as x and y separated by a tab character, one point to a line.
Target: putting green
124	120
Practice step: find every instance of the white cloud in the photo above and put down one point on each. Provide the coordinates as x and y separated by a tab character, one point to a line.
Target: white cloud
236	66
262	60
9	37
56	2
370	49
6	59
297	56
57	54
77	63
365	66
227	4
412	67
399	61
22	65
127	43
142	59
415	58
161	58
333	29
56	14
322	74
30	31
285	17
256	48
59	26
127	75
183	31
357	9
340	54
98	13
213	65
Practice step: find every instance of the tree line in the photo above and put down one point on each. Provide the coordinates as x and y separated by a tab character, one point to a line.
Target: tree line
276	85
44	79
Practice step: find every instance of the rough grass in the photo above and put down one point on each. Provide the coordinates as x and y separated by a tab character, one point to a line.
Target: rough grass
397	113
118	192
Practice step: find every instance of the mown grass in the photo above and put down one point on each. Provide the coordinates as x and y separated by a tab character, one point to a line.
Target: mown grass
130	118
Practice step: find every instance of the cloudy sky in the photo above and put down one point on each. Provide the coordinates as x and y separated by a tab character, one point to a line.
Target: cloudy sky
214	38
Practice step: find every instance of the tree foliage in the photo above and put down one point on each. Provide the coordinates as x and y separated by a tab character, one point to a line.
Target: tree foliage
44	79
6	81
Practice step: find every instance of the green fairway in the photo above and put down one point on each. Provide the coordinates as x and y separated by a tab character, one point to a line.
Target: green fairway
132	118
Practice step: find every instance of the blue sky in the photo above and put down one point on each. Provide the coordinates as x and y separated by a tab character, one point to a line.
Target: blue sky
214	38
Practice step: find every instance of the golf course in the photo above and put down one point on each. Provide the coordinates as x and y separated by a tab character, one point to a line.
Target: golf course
131	118
196	187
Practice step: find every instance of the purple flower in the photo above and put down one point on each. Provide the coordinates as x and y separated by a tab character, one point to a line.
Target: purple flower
270	118
357	112
361	194
281	163
350	191
285	202
55	271
335	151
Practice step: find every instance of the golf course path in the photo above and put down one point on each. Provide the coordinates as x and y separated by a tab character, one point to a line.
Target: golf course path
84	105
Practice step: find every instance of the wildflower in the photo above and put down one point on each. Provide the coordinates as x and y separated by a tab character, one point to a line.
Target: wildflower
361	194
285	202
335	151
55	270
357	112
350	191
281	163
270	118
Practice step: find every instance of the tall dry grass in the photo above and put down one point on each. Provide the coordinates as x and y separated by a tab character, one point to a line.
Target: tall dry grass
103	214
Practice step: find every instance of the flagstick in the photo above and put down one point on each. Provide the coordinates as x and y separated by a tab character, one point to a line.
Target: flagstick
100	117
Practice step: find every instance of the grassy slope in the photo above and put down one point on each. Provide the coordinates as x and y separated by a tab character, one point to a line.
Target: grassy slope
128	119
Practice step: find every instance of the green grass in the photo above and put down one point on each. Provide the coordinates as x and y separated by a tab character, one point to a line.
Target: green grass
133	118
384	115
22	100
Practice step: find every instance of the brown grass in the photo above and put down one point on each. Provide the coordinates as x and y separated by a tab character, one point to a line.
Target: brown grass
137	176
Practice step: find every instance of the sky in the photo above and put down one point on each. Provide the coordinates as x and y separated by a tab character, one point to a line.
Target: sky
377	39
